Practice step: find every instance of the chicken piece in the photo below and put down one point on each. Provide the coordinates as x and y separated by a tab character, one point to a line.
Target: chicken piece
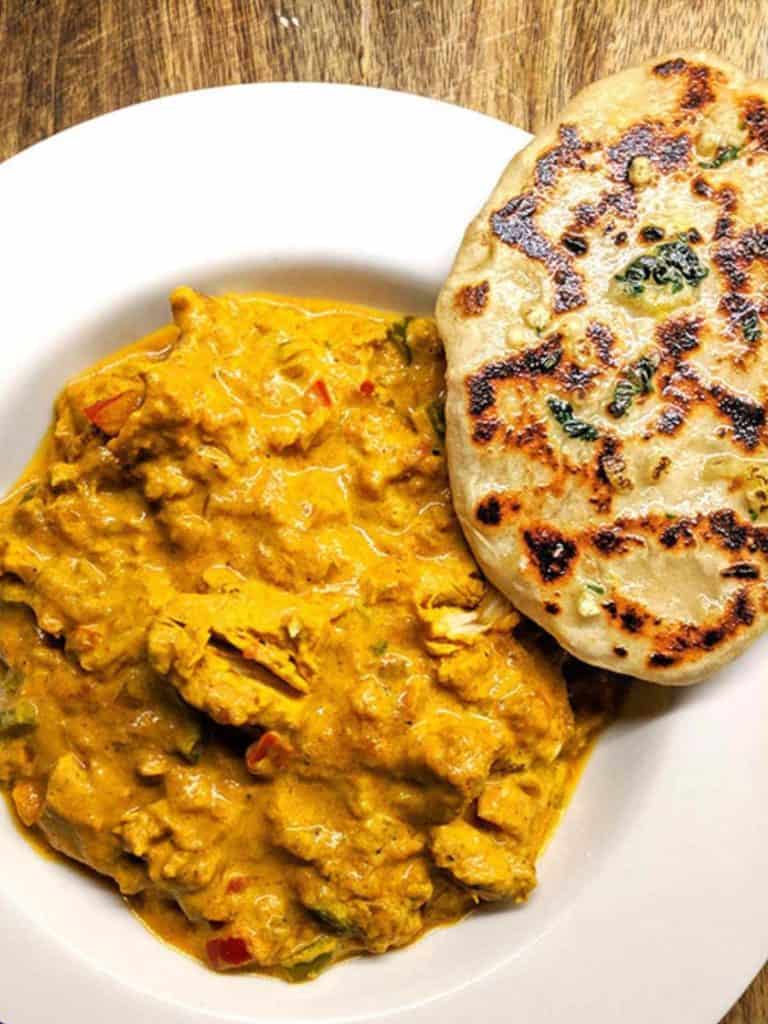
232	658
457	748
229	690
179	836
245	656
448	628
483	863
479	674
382	908
450	581
511	802
367	876
76	819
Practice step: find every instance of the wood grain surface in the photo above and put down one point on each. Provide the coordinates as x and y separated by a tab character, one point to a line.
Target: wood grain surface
62	61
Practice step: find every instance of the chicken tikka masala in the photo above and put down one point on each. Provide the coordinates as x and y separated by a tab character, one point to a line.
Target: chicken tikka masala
250	670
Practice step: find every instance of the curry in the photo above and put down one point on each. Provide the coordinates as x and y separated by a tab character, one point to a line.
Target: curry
250	670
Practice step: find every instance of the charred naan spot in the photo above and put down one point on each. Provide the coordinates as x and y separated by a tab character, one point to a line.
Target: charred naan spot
743	611
742	316
741	571
680	532
620	652
734	535
584	216
485	430
603	340
632	620
577	245
610	467
621	238
552	553
670	67
576	378
756	120
661	467
622	202
488	511
648	138
747	418
670	420
651	233
658	660
513	224
610	607
552	608
731	262
610	541
725	197
693	640
678	336
731	534
472	299
698	90
531	433
568	153
540	361
735	255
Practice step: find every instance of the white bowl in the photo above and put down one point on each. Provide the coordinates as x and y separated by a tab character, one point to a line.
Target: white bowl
653	898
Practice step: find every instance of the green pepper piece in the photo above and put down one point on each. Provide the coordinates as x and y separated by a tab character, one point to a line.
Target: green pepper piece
398	335
20	718
436	413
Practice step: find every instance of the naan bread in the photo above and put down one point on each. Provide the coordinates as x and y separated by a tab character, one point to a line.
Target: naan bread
606	325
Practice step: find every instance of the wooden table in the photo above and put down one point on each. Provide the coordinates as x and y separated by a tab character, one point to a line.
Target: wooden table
62	61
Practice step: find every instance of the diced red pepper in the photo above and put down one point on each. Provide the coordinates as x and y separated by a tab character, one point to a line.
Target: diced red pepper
367	388
229	952
320	388
110	414
269	743
237	884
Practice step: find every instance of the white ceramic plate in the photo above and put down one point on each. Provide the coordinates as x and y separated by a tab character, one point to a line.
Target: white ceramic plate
653	900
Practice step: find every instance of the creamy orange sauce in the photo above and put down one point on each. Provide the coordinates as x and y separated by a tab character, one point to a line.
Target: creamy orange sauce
252	672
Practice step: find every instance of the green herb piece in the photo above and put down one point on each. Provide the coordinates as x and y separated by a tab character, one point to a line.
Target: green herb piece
436	413
722	156
753	514
190	740
20	718
573	427
309	969
380	647
550	359
10	680
672	264
333	920
594	587
398	335
28	494
750	326
636	379
671	515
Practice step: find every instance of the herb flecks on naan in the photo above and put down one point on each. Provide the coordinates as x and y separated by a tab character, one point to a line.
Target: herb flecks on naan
605	325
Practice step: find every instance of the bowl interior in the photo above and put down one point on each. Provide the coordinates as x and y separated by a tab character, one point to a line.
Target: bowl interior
89	918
